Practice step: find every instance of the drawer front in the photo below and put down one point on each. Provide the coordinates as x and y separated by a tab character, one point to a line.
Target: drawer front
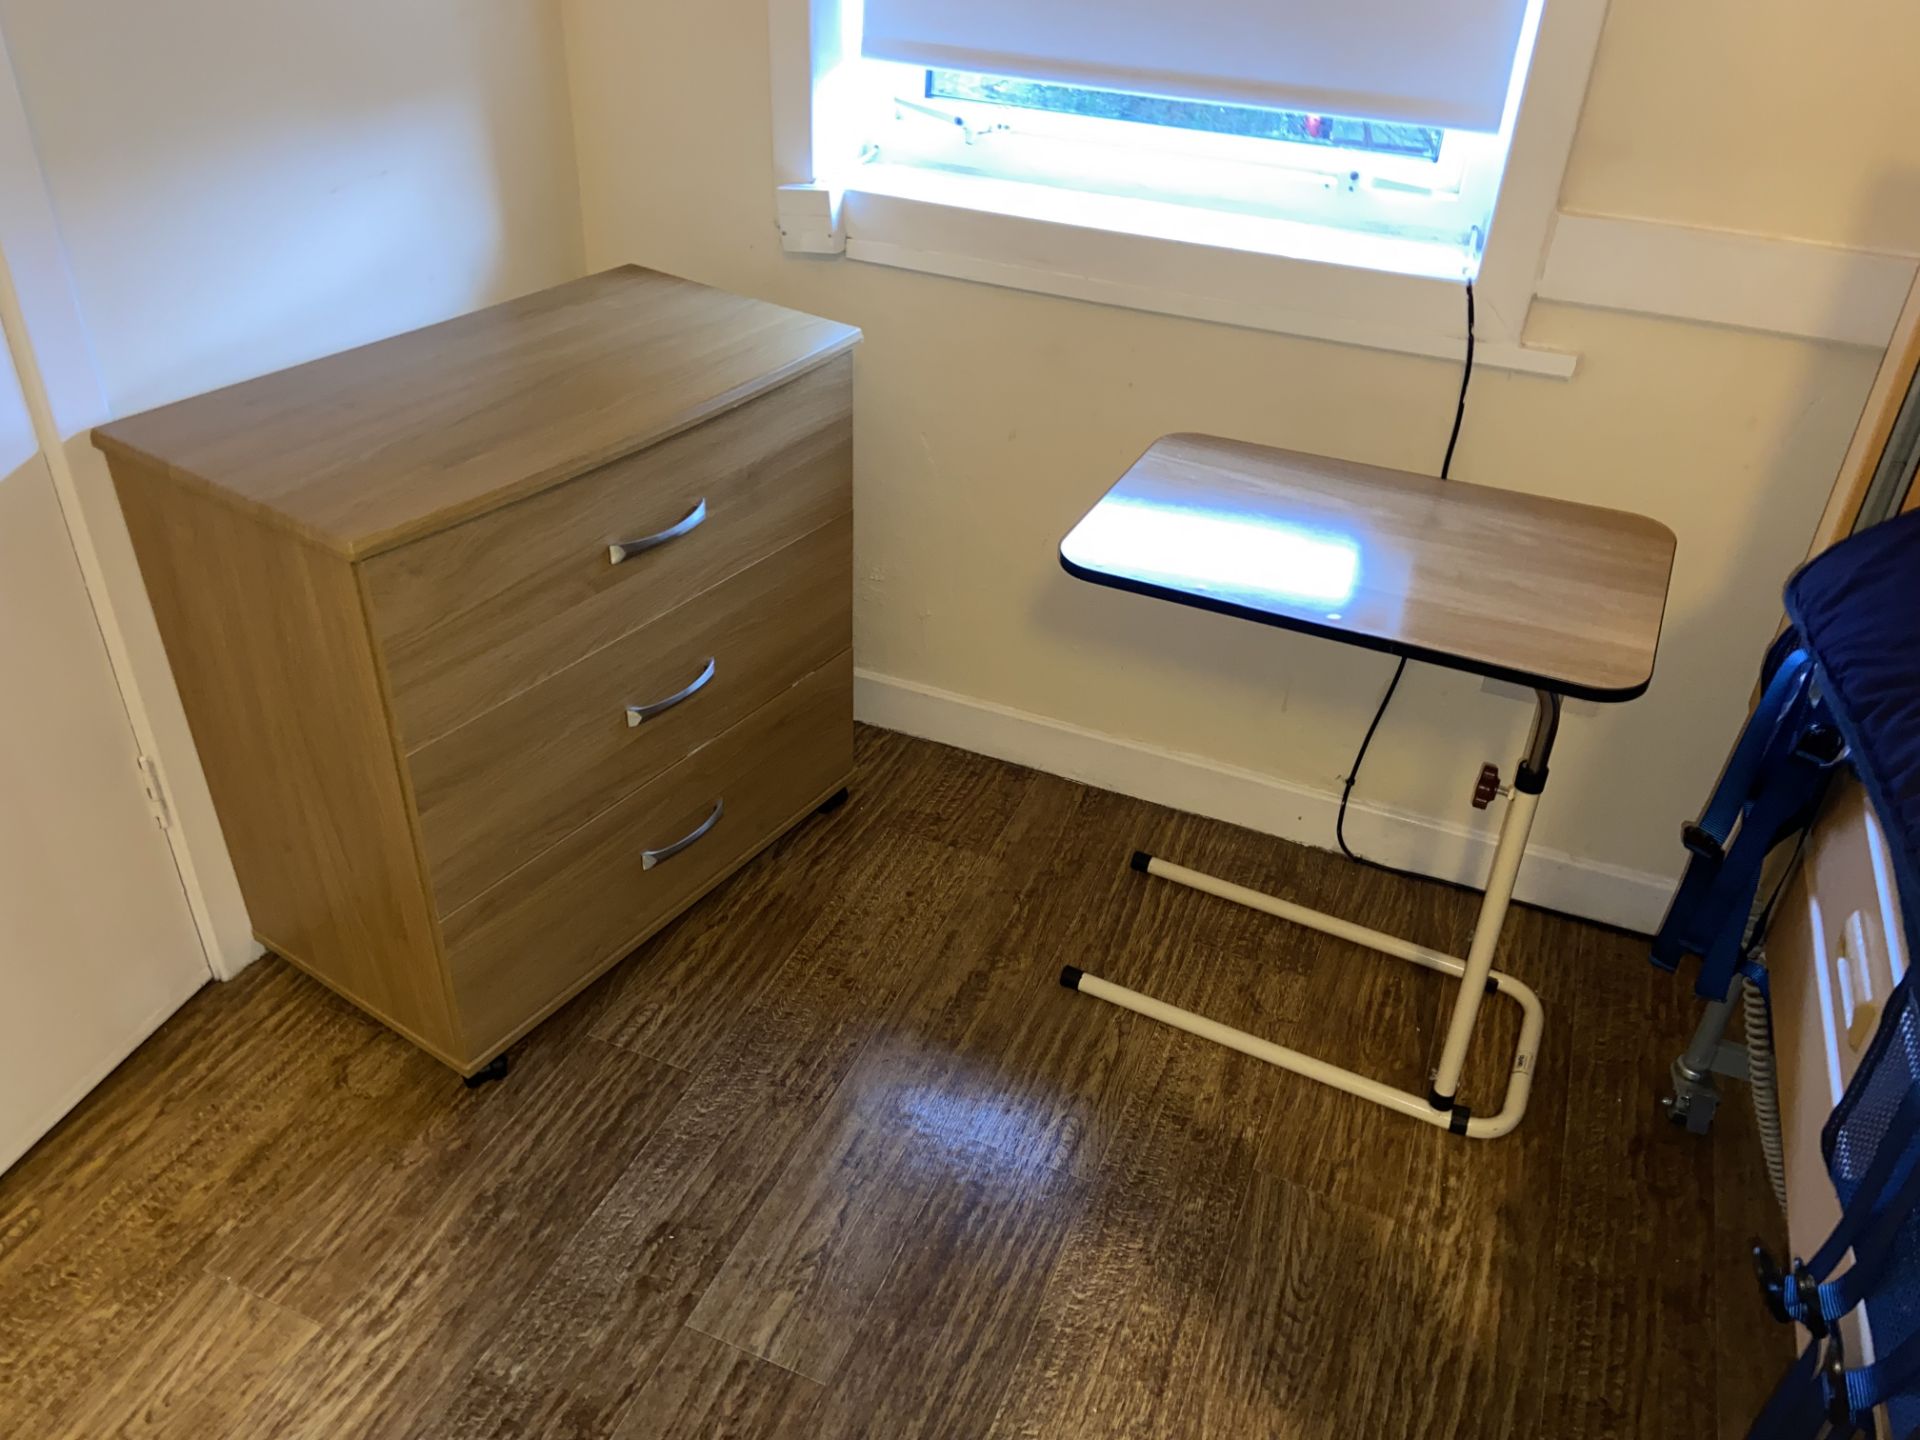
484	610
530	941
502	788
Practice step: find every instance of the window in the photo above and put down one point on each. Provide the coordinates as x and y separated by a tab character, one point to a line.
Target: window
1427	193
1323	131
1156	156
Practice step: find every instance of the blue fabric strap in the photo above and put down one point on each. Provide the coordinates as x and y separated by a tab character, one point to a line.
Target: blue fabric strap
1870	1252
1709	909
1868	1195
1882	1202
1861	1227
1886	1377
1743	766
1707	837
1790	786
1817	1398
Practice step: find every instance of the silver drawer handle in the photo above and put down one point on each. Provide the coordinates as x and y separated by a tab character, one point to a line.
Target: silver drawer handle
651	858
625	549
637	713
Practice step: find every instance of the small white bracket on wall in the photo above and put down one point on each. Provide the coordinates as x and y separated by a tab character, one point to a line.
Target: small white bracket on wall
809	217
156	789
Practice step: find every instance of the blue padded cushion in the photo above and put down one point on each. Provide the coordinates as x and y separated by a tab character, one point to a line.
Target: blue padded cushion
1857	607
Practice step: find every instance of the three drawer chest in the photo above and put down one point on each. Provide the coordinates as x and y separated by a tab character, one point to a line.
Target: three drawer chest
504	641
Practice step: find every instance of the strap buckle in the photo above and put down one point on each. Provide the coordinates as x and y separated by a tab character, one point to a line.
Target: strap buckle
1701	842
1790	1295
1772	1283
1820	745
1832	1376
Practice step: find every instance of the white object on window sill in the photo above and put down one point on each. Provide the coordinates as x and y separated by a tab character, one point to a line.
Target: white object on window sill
809	220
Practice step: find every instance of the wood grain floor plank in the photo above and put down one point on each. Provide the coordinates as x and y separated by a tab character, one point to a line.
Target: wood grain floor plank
1170	915
935	792
822	1239
1272	1349
196	1370
707	1390
599	1320
939	1343
847	969
1483	1203
1375	1015
133	1126
680	994
735	948
1035	1069
91	1284
1431	1361
677	997
418	1135
593	1328
1752	1348
794	1286
926	1041
1335	1322
365	1200
1152	1239
393	1361
1630	1340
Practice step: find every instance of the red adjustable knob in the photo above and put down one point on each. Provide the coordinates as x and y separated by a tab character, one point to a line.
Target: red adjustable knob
1486	787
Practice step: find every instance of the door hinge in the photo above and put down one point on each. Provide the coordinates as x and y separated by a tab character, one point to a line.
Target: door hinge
156	789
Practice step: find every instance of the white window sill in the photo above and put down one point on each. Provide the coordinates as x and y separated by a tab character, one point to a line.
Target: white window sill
1158	219
1382	292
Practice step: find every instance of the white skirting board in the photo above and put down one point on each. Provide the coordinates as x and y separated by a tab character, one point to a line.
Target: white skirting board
1612	894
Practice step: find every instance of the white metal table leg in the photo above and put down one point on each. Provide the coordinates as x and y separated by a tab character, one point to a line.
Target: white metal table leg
1476	972
1507	854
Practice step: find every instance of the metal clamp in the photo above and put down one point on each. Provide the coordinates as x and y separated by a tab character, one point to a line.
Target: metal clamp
627	549
638	713
1790	1294
651	858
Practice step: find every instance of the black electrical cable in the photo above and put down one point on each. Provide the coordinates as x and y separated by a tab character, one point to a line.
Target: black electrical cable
1360	755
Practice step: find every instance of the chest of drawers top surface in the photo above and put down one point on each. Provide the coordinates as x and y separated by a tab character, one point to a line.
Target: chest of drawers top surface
368	449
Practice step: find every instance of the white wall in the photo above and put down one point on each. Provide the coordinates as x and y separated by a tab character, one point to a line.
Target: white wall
97	945
227	187
987	420
1757	115
244	184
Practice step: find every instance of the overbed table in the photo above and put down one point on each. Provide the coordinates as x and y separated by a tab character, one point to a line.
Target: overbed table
1562	598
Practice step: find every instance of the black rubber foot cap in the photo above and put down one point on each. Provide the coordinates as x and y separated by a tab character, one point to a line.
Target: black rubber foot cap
1437	1100
494	1069
1140	861
1070	977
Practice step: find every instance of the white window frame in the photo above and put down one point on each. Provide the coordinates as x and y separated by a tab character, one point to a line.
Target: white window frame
999	236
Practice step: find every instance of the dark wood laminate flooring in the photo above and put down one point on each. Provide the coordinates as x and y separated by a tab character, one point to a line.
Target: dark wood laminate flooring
836	1156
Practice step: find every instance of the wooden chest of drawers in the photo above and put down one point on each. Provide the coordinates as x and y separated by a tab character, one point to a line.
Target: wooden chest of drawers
505	640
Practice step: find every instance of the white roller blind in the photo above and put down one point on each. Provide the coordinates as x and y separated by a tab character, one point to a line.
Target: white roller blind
1424	62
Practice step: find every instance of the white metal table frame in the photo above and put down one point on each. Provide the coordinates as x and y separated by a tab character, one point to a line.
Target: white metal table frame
1476	974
